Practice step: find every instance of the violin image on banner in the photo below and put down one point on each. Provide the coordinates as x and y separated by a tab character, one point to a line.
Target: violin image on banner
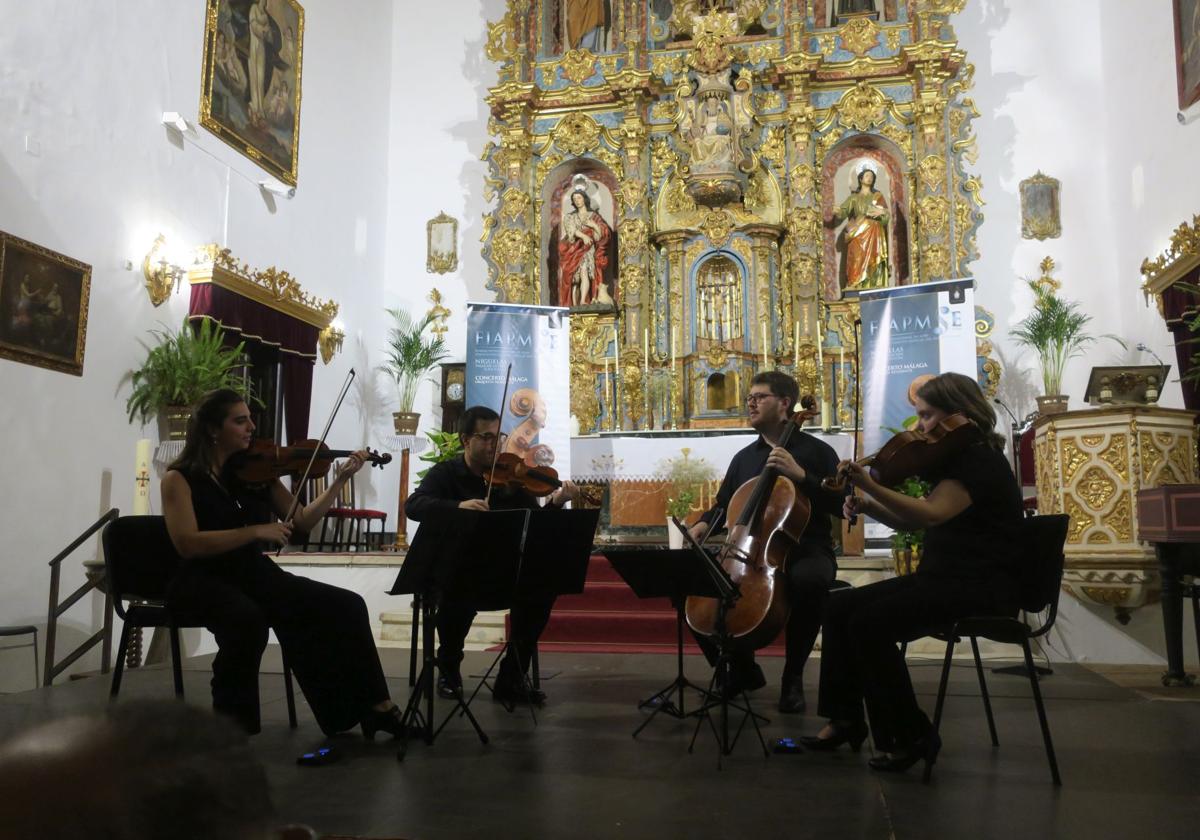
265	461
511	471
768	515
914	452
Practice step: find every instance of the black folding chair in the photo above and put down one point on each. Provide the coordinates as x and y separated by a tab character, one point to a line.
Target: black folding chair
1041	571
140	561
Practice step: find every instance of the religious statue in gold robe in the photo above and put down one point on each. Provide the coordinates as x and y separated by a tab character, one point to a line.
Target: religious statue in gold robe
863	242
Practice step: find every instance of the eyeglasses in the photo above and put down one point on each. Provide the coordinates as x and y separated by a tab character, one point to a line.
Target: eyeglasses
754	399
489	438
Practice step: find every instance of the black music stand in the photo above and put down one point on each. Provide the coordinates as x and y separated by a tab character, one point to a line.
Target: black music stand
553	561
716	696
665	573
472	556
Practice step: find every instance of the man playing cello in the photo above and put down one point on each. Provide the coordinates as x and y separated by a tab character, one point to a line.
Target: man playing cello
810	566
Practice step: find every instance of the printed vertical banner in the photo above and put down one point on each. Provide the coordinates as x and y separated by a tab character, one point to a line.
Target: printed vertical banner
536	415
910	333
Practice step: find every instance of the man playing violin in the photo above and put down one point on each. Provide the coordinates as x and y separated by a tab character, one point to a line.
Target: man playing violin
461	483
810	567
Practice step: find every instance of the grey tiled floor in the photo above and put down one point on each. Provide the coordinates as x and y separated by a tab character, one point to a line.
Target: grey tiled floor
1131	766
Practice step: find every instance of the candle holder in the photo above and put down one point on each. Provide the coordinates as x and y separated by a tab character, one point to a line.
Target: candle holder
676	388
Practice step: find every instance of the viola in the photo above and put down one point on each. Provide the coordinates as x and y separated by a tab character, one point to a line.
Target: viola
511	471
915	452
769	515
265	461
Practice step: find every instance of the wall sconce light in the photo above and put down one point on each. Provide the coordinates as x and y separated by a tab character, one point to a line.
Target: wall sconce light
162	276
330	342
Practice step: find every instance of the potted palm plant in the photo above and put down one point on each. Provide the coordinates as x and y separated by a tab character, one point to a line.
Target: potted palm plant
178	370
1056	330
685	479
410	356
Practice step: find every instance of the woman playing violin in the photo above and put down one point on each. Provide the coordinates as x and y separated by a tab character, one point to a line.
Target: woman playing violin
462	483
219	526
969	517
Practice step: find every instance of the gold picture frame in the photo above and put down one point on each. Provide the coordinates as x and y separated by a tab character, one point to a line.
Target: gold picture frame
1040	209
43	306
441	234
250	80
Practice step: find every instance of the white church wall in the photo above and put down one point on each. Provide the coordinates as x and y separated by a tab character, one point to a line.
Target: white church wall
440	76
1084	92
83	86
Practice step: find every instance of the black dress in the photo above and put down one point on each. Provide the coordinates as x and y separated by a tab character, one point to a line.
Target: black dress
965	571
323	630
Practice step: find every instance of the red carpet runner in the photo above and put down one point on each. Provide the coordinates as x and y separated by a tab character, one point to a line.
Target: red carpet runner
608	618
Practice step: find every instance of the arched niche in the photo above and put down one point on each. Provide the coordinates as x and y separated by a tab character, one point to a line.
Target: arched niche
840	173
598	243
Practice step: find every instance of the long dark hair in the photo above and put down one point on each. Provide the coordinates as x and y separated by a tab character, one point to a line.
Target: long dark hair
199	455
587	202
953	392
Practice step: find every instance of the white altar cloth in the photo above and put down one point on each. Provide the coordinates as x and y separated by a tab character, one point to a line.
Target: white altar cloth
638	458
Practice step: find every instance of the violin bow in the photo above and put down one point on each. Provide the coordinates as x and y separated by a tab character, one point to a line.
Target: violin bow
496	454
316	451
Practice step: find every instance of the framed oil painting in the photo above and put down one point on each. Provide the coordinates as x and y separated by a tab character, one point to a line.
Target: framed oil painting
1187	51
250	90
43	306
441	233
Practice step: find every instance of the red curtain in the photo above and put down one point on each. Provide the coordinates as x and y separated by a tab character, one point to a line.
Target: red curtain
1179	308
295	339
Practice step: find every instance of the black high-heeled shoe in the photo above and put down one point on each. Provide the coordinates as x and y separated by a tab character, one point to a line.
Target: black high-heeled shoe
854	735
925	749
376	721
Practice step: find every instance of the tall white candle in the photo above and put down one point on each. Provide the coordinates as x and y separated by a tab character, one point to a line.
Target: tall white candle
616	351
764	345
796	347
674	333
141	478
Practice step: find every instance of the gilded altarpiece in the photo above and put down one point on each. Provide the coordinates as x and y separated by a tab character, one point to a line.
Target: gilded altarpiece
1090	465
702	181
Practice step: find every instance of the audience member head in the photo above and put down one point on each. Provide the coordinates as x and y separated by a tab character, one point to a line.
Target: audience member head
143	770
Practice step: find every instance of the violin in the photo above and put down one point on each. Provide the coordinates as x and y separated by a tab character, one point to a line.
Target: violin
265	461
914	452
510	470
768	516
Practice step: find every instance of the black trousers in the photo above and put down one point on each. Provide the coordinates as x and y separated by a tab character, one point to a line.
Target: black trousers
323	630
528	619
809	572
860	660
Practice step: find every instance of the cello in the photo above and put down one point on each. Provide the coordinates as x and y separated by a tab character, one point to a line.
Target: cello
768	514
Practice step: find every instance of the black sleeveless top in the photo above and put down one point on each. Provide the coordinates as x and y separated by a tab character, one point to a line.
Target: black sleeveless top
221	507
981	542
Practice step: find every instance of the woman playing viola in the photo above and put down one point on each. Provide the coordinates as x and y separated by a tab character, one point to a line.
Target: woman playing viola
219	526
970	518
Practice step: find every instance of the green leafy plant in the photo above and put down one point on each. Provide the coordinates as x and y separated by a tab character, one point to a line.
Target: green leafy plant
686	476
1056	330
913	540
446	447
411	354
182	367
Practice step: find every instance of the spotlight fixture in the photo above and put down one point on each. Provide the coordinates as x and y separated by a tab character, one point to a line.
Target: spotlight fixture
277	189
175	120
